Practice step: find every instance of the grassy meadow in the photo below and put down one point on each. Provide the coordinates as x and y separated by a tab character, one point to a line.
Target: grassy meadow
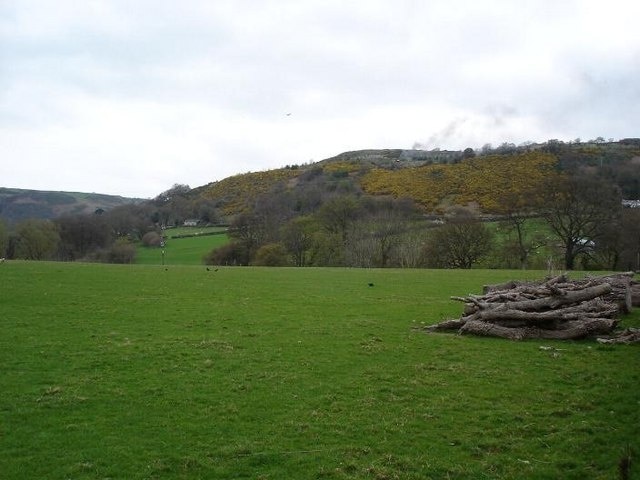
182	251
151	372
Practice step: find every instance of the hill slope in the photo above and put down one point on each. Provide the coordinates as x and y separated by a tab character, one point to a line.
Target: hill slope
432	179
17	204
431	185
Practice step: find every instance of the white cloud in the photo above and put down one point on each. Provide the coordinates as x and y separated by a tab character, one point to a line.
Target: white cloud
130	97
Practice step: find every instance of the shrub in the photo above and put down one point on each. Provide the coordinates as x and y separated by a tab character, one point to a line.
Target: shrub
233	253
460	243
122	251
271	255
151	239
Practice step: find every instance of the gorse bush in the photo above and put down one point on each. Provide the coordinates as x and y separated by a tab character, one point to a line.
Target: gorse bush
480	180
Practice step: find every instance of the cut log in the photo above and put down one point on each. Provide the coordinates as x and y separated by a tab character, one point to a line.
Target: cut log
576	330
515	284
486	329
629	335
589	310
551	302
453	324
625	299
500	287
635	294
554	308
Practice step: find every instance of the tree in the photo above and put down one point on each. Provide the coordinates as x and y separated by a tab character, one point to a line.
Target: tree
518	206
630	239
376	236
607	251
410	248
468	153
460	243
177	190
129	220
248	232
506	148
336	215
82	234
206	210
173	205
578	208
4	239
327	250
297	236
271	255
270	212
36	240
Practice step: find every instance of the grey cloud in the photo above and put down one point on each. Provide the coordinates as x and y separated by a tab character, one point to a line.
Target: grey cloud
447	75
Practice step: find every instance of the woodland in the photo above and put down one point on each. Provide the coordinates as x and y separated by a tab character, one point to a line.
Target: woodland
555	204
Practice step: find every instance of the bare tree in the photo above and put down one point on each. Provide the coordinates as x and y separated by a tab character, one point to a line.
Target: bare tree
82	234
578	208
375	237
298	236
518	207
410	248
4	238
338	213
247	231
386	226
460	243
630	239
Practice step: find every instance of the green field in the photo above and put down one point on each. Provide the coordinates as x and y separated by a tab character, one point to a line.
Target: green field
149	372
182	251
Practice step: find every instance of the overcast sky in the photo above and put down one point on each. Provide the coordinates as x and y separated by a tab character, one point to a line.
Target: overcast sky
128	97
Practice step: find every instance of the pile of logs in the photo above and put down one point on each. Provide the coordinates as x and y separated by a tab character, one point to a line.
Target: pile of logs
555	308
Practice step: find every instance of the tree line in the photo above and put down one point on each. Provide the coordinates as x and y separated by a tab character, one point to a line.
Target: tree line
530	210
104	236
576	222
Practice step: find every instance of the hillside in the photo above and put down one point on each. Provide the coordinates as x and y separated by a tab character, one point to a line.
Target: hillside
17	204
364	208
433	179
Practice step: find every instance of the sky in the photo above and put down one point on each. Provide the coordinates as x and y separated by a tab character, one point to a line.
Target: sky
129	97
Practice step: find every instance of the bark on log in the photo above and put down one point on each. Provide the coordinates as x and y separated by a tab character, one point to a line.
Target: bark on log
453	324
635	294
515	284
627	336
551	302
500	286
576	330
486	329
625	302
590	310
621	293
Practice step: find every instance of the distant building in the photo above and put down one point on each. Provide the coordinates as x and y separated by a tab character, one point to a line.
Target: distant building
191	222
631	203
